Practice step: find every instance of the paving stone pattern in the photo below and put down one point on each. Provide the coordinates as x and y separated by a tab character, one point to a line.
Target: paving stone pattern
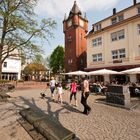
103	123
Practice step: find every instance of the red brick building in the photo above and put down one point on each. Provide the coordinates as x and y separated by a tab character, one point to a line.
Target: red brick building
75	28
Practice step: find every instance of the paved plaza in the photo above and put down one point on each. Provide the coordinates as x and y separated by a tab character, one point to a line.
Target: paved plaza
105	122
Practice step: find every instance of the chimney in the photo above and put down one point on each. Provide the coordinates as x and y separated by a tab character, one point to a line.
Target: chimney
134	2
114	11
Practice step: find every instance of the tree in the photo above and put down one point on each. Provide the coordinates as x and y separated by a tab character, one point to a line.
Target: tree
38	58
20	30
57	60
34	69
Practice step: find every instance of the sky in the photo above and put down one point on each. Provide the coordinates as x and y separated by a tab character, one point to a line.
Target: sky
96	10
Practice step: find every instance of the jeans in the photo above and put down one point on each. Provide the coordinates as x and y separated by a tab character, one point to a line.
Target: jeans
52	89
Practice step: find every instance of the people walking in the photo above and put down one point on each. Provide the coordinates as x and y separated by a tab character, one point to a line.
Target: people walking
59	92
52	87
73	89
84	95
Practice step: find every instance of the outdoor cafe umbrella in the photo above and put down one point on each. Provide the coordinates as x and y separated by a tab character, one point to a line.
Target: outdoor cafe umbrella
103	72
132	71
76	73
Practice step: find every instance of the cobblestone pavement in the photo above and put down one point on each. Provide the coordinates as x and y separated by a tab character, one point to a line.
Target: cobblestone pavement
103	123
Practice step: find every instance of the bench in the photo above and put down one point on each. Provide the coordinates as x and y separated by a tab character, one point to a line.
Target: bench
45	126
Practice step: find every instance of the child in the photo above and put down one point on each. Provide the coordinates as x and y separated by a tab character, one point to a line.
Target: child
59	92
73	91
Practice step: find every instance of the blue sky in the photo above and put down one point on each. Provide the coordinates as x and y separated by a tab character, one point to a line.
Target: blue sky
96	10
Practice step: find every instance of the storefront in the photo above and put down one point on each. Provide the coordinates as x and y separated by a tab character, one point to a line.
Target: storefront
11	69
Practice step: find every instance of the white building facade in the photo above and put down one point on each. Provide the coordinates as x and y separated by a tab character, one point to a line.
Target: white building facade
114	42
11	69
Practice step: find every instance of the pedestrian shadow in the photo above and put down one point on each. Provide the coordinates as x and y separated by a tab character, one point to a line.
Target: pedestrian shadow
71	108
55	114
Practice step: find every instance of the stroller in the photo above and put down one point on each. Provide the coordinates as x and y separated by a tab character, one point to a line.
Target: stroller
43	95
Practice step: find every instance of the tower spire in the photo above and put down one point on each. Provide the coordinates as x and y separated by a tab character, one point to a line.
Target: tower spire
75	10
85	16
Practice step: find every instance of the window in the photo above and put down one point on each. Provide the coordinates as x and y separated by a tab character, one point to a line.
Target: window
69	38
118	35
122	53
97	57
138	10
5	64
81	36
81	61
114	36
117	19
94	41
114	20
98	27
138	28
97	41
120	18
70	61
116	54
121	34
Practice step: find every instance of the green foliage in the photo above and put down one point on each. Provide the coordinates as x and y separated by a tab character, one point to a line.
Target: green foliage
34	67
56	62
20	29
38	58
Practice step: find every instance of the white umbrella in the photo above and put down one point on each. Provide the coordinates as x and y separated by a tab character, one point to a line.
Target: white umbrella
132	71
76	73
103	72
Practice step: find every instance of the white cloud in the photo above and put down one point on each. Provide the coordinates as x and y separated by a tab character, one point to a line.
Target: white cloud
57	8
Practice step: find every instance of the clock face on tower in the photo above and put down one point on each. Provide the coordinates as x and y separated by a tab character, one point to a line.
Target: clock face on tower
69	23
81	22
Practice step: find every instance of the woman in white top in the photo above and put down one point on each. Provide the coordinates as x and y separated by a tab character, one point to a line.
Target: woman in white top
59	92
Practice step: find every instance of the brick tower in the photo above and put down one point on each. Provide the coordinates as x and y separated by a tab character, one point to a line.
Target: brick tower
75	27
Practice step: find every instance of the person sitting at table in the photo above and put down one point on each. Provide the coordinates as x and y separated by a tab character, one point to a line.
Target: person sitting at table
136	90
102	88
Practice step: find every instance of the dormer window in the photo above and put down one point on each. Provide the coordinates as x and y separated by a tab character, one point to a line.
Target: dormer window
98	27
120	18
114	20
117	19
